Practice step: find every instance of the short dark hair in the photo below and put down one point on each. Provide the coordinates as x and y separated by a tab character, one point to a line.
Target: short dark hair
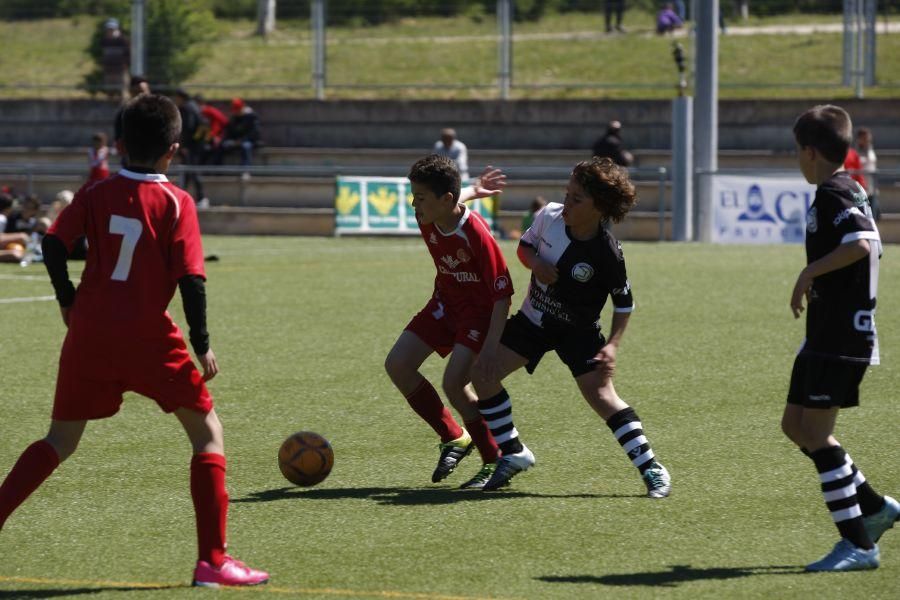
438	173
150	125
6	201
828	129
608	186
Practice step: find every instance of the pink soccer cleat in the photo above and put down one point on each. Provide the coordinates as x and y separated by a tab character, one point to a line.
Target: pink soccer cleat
232	572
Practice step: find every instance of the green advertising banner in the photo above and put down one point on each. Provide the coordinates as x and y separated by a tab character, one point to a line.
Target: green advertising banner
383	205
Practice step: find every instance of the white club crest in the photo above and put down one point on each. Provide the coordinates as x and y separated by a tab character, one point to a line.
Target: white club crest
812	224
582	272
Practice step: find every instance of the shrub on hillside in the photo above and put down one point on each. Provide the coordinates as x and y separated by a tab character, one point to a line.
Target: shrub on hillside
177	32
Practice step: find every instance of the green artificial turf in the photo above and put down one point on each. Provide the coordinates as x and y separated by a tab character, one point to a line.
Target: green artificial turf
301	327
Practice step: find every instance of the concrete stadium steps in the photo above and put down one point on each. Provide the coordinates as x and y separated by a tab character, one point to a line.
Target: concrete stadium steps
397	161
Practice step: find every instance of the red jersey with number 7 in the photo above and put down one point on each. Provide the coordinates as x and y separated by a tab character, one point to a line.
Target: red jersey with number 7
143	235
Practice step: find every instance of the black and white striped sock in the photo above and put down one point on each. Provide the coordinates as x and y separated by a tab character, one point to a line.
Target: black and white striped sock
627	429
497	413
836	474
870	501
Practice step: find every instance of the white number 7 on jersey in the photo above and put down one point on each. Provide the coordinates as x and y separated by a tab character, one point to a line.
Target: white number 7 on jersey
131	230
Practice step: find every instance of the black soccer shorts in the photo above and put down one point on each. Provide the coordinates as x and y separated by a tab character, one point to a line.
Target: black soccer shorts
575	347
820	382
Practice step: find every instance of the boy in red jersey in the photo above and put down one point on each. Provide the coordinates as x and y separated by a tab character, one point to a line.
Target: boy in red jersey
465	314
143	239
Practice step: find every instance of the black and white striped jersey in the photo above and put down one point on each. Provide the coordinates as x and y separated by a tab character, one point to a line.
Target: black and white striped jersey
840	319
589	272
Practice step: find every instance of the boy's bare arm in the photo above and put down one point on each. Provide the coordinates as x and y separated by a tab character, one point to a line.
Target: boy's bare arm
545	272
842	256
605	360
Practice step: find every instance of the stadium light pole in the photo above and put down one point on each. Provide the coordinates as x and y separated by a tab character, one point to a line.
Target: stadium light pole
682	159
317	22
504	25
138	29
706	115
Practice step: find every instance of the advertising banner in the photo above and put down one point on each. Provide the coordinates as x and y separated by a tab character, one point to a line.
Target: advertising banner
760	209
383	205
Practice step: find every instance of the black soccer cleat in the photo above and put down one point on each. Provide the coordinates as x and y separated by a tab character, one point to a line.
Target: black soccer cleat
451	453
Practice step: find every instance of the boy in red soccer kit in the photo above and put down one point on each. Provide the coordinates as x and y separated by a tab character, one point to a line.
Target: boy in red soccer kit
465	315
143	239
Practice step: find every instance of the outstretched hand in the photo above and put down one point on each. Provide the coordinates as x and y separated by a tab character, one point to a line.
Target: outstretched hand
491	181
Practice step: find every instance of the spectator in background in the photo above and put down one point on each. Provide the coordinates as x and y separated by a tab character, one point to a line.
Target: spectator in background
25	220
115	59
192	143
667	21
853	164
614	7
12	245
868	162
681	10
98	158
610	145
241	133
536	205
136	87
455	150
63	199
213	123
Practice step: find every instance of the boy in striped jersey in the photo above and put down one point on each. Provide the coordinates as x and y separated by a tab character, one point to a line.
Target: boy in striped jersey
576	265
839	282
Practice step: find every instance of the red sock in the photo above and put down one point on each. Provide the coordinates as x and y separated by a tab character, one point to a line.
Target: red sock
210	505
484	441
30	471
427	404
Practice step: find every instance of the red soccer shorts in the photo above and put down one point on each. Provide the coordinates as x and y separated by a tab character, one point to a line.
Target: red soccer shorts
95	370
441	330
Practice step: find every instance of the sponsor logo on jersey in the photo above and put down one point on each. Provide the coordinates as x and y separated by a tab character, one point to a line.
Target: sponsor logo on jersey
812	225
501	283
432	238
474	335
582	272
461	277
450	261
462	255
846	214
622	291
864	320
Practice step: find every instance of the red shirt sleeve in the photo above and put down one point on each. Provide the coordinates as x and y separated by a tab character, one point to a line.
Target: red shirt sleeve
186	257
494	271
852	163
71	223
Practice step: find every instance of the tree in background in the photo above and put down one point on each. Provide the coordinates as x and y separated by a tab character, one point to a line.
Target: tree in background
177	36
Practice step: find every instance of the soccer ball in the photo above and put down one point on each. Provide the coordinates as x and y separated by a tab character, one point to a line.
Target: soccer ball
305	458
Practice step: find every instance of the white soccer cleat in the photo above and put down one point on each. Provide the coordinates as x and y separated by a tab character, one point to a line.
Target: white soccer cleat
508	467
846	557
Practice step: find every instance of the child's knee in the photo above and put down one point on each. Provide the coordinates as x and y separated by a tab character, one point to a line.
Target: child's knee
64	447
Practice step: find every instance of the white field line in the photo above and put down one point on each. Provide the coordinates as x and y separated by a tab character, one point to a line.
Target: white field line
31	299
